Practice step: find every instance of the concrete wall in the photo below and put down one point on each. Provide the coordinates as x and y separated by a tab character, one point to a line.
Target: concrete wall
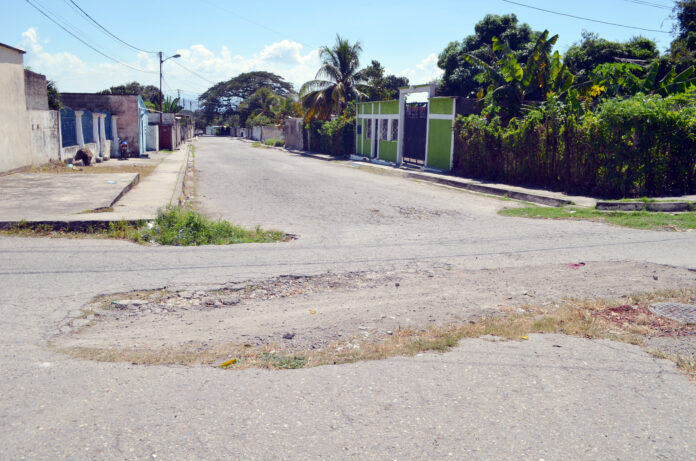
272	132
45	138
35	90
124	106
15	128
68	153
153	138
294	133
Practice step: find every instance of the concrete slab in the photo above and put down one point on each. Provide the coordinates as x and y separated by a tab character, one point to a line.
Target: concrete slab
32	196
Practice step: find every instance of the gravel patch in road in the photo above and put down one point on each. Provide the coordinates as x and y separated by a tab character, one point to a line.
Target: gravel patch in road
310	312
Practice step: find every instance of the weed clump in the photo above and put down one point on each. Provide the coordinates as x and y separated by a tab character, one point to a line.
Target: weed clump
177	226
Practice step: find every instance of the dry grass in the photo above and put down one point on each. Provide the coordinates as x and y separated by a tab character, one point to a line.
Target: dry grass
625	319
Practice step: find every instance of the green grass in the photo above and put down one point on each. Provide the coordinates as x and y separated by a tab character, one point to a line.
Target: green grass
633	219
275	360
274	142
177	226
173	226
258	144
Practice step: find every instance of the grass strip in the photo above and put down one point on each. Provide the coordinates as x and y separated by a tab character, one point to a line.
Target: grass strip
632	219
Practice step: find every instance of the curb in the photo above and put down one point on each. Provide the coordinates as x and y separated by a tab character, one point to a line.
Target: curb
69	226
128	187
492	190
645	206
178	192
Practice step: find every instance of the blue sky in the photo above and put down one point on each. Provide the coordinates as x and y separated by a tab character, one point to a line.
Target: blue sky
221	38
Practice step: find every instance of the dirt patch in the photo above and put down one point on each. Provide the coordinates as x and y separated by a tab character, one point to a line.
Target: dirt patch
142	167
641	315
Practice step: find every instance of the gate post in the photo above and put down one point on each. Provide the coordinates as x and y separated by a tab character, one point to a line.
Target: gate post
400	133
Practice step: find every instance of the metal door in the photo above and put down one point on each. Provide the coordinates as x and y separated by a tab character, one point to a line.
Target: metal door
165	137
415	131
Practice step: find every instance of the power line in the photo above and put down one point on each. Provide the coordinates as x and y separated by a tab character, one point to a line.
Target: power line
85	43
645	3
586	19
107	31
236	15
193	72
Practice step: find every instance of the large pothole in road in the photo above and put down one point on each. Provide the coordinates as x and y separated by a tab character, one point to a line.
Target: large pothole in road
283	316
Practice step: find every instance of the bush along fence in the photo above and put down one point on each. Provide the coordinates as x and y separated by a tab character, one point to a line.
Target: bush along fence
641	146
335	137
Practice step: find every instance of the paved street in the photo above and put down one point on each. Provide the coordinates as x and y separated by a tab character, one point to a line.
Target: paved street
498	400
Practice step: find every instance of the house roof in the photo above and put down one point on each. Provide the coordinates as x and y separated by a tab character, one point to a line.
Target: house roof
12	48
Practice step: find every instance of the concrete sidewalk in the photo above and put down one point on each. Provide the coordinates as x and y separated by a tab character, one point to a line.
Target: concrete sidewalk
68	197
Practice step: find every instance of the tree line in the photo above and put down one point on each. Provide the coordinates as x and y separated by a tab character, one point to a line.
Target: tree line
499	47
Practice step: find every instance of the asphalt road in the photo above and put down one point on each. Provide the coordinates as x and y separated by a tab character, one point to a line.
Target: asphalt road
484	400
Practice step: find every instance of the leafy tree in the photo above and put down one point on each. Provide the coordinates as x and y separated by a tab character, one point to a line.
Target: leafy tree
262	102
459	75
147	92
592	51
380	87
510	83
53	96
335	82
258	120
223	98
683	48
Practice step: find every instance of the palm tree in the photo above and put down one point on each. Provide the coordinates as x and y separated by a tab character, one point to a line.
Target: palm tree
335	82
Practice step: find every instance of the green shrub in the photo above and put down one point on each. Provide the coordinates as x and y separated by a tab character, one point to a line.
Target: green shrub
274	142
641	146
335	137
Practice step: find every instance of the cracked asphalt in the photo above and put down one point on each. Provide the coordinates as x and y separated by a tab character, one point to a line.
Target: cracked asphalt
547	398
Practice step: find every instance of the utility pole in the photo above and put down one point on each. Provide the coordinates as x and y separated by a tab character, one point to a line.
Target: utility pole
161	95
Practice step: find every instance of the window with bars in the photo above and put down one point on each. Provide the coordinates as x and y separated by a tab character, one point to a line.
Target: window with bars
369	128
395	130
384	129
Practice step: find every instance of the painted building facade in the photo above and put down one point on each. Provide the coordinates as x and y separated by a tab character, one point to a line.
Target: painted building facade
397	131
125	115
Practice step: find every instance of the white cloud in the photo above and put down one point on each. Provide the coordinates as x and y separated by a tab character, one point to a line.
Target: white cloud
424	72
72	74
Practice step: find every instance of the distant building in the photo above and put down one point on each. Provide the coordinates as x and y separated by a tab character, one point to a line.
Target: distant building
124	117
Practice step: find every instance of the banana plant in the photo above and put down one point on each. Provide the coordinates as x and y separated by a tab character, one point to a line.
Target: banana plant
621	79
511	82
670	83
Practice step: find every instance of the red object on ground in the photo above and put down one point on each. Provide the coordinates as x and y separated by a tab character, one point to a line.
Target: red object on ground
575	265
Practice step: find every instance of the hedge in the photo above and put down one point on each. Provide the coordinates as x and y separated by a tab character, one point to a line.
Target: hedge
642	146
335	137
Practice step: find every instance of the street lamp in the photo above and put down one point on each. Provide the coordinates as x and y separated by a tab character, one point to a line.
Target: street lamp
161	95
